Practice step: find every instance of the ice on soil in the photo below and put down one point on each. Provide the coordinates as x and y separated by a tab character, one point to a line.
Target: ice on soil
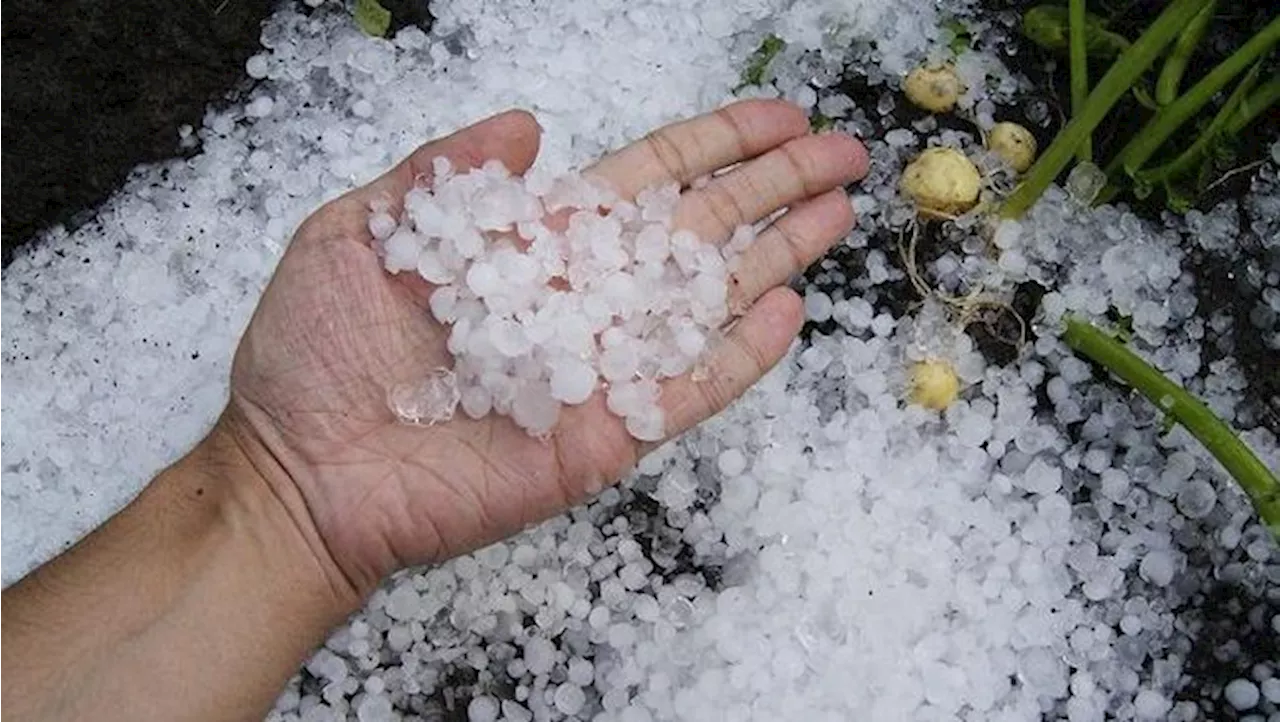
870	559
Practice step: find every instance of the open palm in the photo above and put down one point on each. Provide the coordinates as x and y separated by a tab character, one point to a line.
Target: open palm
333	332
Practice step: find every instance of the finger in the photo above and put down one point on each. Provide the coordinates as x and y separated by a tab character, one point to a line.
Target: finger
511	137
752	347
788	246
689	149
800	169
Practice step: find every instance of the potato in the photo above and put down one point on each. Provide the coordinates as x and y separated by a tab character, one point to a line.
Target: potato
1014	143
935	89
942	182
934	384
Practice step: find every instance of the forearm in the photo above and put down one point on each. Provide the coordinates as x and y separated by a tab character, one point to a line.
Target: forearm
195	602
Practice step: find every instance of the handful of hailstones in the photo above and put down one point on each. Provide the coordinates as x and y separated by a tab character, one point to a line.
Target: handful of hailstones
553	288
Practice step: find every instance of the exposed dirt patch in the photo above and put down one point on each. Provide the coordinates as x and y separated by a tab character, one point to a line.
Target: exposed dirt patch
96	87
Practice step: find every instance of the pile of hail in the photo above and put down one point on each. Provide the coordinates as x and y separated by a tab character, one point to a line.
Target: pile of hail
552	288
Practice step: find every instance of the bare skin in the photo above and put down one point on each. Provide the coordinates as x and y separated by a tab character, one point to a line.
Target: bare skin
200	598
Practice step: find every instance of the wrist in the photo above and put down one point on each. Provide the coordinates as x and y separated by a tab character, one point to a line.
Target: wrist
206	564
267	508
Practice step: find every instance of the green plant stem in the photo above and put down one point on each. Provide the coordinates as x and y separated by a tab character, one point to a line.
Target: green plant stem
1114	84
1175	65
1079	71
1189	157
1258	482
1143	96
1171	117
1265	96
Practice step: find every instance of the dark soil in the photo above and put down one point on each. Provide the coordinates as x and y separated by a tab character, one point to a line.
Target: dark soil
1223	618
1220	285
408	12
98	86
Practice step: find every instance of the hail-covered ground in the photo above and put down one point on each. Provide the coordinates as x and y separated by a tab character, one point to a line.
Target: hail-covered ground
1043	549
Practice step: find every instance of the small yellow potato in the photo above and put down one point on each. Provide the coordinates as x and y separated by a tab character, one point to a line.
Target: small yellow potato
942	182
1014	143
934	384
935	89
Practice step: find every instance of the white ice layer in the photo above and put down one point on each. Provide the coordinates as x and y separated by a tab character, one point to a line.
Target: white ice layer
817	552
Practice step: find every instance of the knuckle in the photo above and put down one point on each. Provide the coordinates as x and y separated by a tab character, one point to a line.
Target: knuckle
724	206
799	166
736	131
669	155
793	244
751	353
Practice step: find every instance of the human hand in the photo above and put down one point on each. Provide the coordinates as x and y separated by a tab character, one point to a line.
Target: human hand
333	332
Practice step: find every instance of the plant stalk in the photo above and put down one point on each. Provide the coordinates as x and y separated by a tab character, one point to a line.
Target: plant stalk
1169	118
1114	84
1170	80
1187	159
1079	71
1265	96
1258	482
